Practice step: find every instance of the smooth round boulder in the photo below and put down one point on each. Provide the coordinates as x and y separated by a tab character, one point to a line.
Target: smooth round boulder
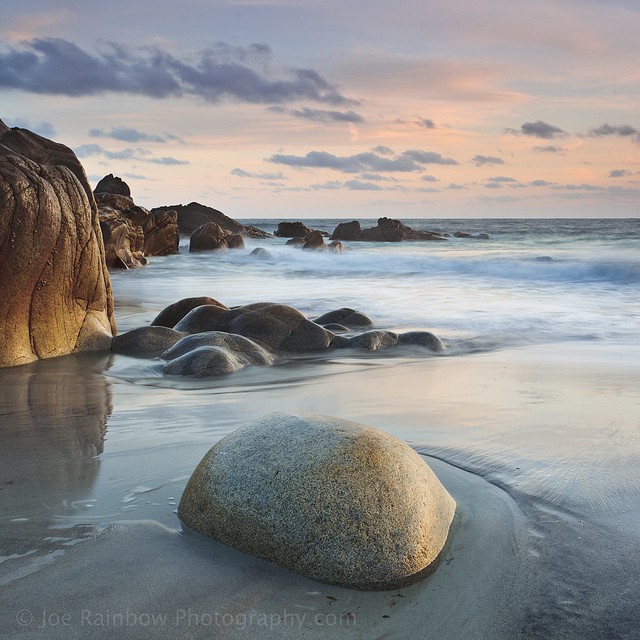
374	340
346	316
333	500
206	317
171	315
204	361
145	342
422	339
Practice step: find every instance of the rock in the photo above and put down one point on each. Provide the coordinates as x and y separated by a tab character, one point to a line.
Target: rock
262	254
278	327
194	215
314	240
123	240
336	247
161	235
145	342
213	353
292	230
113	184
234	241
171	315
462	234
423	339
483	236
333	500
253	232
208	317
56	292
387	230
297	242
335	327
208	237
374	340
345	316
347	231
203	362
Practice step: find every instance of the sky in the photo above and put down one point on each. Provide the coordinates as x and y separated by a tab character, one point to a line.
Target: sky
296	109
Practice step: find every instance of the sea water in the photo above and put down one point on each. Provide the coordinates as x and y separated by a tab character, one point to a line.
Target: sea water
537	393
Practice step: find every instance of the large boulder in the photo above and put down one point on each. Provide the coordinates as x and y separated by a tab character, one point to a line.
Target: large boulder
123	240
212	236
347	231
194	215
387	230
171	315
161	236
336	501
292	230
314	240
56	293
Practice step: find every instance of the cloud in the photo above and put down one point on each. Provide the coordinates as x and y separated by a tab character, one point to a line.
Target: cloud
624	130
539	129
479	161
407	161
320	115
43	128
241	173
127	134
455	187
54	66
359	185
429	178
426	123
541	183
619	173
137	154
501	179
549	149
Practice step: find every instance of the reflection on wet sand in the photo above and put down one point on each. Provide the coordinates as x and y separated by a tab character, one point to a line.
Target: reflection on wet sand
53	420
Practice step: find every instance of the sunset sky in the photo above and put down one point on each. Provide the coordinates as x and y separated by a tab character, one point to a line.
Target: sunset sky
325	108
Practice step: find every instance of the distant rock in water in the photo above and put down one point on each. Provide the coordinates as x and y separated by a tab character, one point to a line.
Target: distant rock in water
335	501
292	230
194	215
387	230
212	236
56	292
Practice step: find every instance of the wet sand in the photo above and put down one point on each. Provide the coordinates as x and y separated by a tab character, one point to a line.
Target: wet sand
539	446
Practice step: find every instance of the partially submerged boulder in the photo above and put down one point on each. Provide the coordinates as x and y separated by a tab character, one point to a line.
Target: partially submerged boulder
56	292
145	342
345	316
292	230
211	236
336	501
387	230
171	315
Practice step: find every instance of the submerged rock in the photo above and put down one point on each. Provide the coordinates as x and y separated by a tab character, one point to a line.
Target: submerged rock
374	340
422	339
56	292
333	500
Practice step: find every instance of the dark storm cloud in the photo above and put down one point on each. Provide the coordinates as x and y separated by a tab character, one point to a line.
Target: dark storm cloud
138	154
411	160
539	129
320	115
479	161
55	66
127	134
624	130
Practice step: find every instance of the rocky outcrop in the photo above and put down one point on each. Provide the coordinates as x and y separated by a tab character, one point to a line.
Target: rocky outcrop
314	240
387	230
333	500
194	215
56	293
113	184
212	236
131	233
292	230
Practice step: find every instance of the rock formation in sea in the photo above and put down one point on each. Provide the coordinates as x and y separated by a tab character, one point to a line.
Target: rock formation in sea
203	337
211	236
335	501
194	215
292	230
132	233
56	292
387	230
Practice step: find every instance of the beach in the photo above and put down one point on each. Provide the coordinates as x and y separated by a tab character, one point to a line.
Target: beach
529	418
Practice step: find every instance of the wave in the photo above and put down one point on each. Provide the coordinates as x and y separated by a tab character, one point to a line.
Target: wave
411	262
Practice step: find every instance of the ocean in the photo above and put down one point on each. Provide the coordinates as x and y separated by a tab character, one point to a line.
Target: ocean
531	417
